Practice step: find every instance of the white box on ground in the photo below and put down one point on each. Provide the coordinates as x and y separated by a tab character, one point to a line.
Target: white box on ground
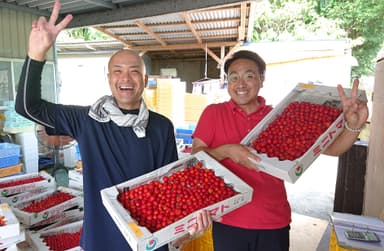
139	237
9	242
12	225
31	218
29	149
47	181
68	215
75	179
36	239
70	156
19	197
316	94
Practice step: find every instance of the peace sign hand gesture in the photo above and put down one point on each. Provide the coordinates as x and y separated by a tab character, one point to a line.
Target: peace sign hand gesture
355	111
44	33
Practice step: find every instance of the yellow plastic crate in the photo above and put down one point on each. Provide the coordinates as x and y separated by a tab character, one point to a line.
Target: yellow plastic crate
334	246
10	170
204	242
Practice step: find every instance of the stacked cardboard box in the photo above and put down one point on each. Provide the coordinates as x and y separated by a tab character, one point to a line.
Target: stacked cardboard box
170	99
194	106
150	97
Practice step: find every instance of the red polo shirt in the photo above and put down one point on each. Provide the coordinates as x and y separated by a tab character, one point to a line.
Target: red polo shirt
226	123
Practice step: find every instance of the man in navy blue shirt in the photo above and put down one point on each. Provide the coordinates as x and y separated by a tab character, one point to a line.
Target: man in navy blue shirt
119	138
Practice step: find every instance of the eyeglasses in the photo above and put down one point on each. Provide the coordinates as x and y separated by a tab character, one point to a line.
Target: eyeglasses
248	76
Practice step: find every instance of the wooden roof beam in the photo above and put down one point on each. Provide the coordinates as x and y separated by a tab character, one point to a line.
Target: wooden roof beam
113	35
251	21
150	32
182	46
190	26
150	26
242	26
234	29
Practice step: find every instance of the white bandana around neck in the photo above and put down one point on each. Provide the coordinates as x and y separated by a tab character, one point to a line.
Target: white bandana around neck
105	109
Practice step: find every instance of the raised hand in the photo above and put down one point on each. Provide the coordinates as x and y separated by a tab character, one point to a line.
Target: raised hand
44	33
355	111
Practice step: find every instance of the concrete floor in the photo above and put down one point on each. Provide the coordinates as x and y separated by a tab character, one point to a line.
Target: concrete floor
308	233
311	199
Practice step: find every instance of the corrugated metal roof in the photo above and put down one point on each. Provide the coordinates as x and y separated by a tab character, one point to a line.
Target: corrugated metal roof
220	25
211	28
154	26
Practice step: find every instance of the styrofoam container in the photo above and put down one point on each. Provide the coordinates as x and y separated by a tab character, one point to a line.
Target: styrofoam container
140	238
36	239
20	197
30	219
75	179
12	227
71	214
316	94
11	241
48	181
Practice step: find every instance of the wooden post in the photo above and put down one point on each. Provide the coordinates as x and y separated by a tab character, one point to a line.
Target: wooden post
374	181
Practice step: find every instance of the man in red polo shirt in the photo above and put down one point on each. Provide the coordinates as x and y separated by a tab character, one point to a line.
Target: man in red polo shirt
262	224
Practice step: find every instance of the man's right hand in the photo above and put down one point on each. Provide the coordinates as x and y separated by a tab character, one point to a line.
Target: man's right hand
44	33
242	155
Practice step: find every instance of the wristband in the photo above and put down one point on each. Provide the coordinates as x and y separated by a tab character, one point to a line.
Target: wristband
353	129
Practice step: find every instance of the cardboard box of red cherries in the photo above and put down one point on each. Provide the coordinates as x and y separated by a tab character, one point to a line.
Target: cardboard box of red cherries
298	130
161	206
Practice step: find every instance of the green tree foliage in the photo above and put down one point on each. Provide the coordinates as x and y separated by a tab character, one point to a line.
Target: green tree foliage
357	20
286	20
363	22
83	34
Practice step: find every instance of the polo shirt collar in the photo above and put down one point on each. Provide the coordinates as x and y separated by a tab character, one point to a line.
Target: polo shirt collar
236	108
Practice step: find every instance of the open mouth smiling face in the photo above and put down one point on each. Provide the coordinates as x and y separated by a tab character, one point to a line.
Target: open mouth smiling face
125	88
127	79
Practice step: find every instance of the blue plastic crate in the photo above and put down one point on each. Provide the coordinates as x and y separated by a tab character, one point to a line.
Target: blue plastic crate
9	161
184	131
77	152
9	149
186	139
185	135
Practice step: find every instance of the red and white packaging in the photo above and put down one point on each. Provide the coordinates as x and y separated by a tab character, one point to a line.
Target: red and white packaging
20	197
139	237
36	239
316	94
30	219
47	181
64	217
